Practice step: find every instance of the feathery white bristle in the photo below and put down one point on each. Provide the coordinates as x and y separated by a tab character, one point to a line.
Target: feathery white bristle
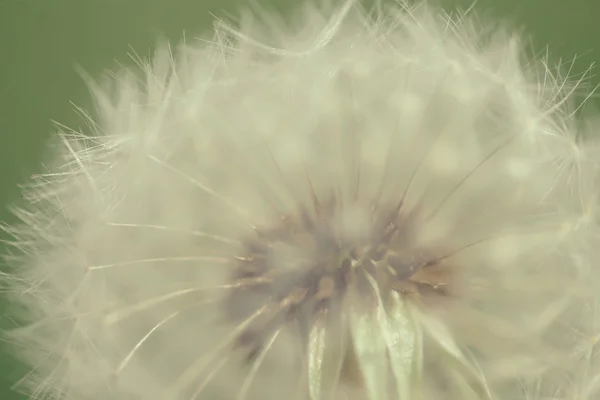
134	259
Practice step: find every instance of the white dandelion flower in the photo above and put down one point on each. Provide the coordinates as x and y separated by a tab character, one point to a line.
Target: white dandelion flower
351	207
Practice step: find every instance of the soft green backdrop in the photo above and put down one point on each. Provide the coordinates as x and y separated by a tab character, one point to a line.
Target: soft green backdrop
41	42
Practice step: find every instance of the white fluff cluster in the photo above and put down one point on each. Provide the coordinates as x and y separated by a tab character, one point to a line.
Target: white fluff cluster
387	207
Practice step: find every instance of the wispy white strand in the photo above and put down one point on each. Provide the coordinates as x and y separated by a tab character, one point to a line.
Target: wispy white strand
391	205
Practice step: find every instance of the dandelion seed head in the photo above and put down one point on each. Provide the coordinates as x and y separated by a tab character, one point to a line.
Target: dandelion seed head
357	207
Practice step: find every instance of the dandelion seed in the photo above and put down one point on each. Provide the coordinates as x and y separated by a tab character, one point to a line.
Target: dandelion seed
373	207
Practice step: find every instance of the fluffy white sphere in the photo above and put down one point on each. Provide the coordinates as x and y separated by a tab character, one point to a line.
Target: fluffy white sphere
397	206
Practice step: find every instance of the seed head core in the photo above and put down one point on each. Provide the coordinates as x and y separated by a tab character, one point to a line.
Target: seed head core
311	261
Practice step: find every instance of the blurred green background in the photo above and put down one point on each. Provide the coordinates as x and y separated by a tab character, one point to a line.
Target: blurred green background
42	41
